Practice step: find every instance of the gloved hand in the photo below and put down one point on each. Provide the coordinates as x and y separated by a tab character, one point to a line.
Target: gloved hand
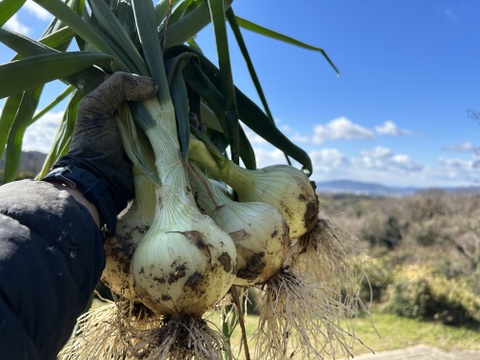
96	163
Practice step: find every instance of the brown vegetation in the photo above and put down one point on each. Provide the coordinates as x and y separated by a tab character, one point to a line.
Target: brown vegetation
423	252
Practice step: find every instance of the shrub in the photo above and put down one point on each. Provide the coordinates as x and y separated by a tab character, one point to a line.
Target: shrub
387	233
431	204
455	303
431	232
418	292
378	276
410	298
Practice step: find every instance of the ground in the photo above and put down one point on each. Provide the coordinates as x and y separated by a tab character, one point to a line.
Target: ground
421	352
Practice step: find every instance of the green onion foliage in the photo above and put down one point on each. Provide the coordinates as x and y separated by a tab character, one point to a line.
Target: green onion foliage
88	40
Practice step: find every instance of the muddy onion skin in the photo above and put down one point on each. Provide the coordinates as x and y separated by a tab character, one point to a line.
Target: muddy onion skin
119	250
282	186
116	274
259	232
185	263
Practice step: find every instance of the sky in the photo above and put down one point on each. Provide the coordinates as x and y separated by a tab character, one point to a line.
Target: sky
399	112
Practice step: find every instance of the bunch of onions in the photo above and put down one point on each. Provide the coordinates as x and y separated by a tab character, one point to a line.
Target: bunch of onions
170	267
282	186
259	231
172	259
301	312
174	263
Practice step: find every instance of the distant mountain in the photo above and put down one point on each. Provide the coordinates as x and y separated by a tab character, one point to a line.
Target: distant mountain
374	189
30	161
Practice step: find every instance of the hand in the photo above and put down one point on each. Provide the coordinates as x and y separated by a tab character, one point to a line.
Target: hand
96	146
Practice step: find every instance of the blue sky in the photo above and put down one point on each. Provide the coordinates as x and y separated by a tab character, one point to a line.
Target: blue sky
398	112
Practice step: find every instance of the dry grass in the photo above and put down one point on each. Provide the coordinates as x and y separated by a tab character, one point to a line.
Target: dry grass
425	228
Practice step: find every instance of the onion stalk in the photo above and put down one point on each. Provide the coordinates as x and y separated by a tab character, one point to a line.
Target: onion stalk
181	244
134	222
178	262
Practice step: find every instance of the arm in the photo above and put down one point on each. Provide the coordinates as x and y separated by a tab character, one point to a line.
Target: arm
51	257
51	245
82	200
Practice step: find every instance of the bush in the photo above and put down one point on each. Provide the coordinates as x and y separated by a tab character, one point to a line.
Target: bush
410	298
429	233
424	253
427	236
455	303
432	204
419	293
378	276
388	233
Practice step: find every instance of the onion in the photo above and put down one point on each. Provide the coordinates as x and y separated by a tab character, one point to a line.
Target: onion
258	230
119	250
185	263
282	186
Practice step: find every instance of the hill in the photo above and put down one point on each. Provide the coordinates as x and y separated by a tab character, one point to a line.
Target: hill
375	189
30	162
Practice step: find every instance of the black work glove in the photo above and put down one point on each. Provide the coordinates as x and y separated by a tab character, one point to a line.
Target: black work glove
96	163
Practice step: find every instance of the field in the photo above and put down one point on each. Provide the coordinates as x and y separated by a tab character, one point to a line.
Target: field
422	259
421	256
392	332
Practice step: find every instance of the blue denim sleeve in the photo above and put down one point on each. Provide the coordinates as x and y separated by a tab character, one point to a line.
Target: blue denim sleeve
51	258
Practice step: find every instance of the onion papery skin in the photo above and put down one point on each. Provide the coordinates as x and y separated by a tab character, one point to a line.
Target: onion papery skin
119	250
259	232
282	186
185	263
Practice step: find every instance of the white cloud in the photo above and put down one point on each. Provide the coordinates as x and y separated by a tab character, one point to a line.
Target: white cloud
14	24
456	169
390	128
39	136
285	128
377	152
328	160
37	11
462	147
299	138
270	156
17	24
450	14
383	158
341	128
456	164
337	129
253	137
403	163
379	165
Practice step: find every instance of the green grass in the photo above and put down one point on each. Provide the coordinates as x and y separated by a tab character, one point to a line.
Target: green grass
395	332
391	332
